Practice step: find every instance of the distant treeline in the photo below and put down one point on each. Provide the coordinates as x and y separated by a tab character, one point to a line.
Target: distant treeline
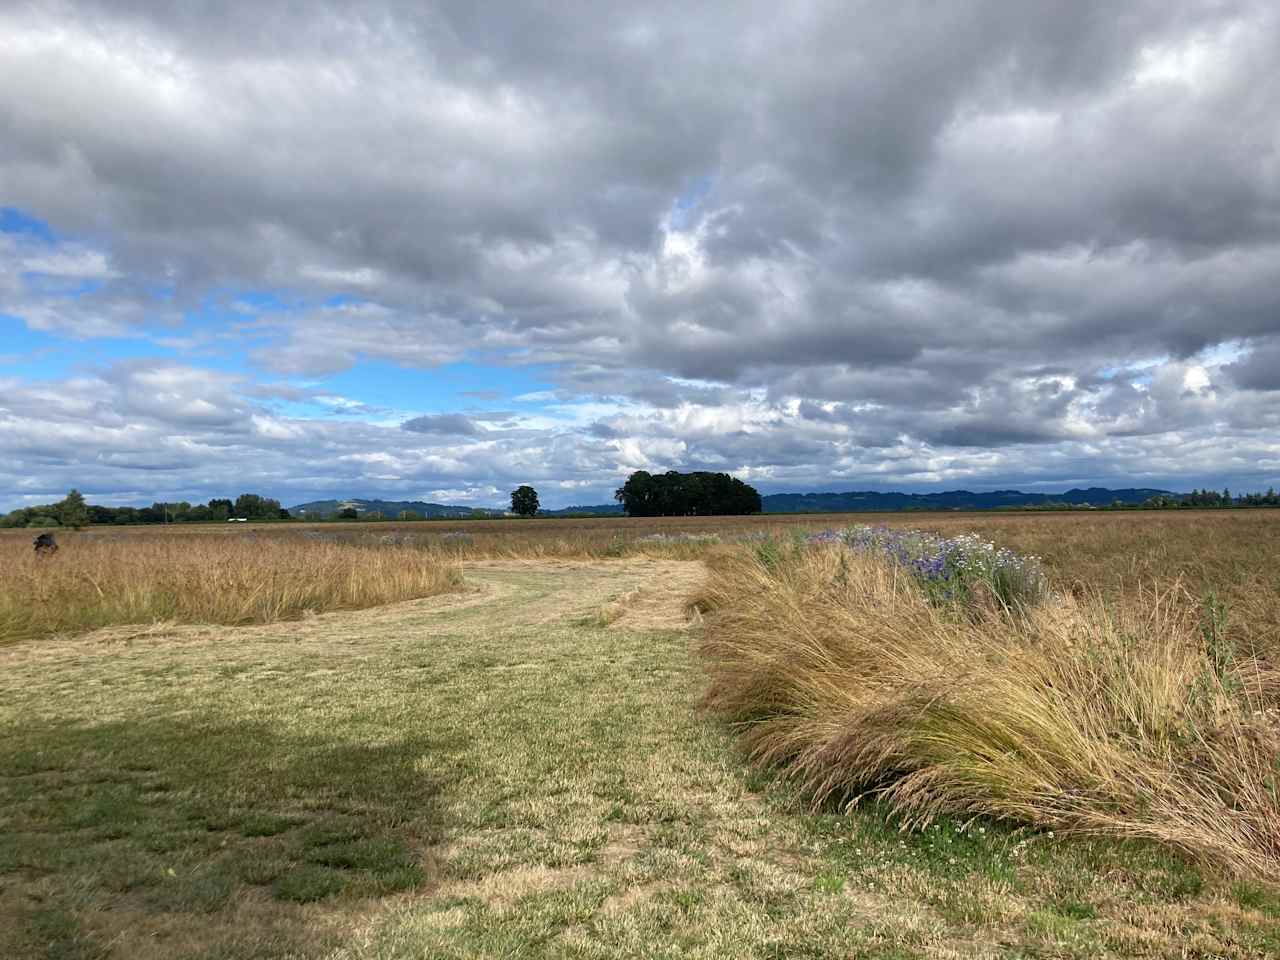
670	494
674	494
1195	500
74	512
1211	498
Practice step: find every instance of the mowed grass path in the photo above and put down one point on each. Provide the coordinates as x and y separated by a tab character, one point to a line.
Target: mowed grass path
518	772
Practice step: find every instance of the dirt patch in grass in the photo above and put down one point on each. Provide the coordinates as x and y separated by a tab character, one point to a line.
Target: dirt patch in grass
623	844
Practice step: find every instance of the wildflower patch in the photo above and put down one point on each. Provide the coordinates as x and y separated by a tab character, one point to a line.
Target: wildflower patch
950	569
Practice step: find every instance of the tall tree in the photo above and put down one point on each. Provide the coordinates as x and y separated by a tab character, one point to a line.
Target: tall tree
524	501
254	507
72	511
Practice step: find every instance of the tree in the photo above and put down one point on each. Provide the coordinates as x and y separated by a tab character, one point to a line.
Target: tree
247	505
675	494
220	509
348	513
72	511
638	495
524	501
253	507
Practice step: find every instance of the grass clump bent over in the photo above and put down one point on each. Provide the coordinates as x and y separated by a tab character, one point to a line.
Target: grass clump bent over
841	668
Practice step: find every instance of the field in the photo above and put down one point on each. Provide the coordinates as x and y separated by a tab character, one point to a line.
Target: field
518	764
100	582
1230	553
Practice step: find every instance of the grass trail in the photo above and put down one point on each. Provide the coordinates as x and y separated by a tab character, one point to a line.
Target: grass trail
499	774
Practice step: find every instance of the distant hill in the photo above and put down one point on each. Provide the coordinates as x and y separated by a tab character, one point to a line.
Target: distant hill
599	509
391	508
870	501
852	501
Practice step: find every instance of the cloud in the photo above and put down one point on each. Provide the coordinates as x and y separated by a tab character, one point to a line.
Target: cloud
140	430
75	263
70	289
1260	368
980	242
444	423
487	494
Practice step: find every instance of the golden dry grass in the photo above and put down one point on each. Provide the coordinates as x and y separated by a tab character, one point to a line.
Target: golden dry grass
1117	719
92	583
1229	553
1232	551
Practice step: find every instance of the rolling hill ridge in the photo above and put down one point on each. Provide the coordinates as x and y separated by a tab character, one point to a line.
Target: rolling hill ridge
852	501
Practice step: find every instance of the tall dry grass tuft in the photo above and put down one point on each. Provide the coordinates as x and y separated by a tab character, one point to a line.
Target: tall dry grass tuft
90	584
1126	720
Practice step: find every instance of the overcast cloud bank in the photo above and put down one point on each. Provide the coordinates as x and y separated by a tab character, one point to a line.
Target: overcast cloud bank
821	246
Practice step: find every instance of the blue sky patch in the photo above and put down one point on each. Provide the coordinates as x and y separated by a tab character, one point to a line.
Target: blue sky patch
15	221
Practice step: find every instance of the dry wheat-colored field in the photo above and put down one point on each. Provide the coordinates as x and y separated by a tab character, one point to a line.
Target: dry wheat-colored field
1233	554
94	581
523	765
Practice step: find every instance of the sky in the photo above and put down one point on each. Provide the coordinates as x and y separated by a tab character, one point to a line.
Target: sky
413	250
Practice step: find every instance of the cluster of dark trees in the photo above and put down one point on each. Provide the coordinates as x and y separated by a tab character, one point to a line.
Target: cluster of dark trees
1268	499
71	511
1211	498
74	512
674	494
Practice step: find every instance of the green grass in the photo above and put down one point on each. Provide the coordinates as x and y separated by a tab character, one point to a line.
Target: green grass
177	817
500	775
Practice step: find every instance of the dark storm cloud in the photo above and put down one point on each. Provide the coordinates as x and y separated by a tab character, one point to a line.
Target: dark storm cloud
928	241
1259	369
